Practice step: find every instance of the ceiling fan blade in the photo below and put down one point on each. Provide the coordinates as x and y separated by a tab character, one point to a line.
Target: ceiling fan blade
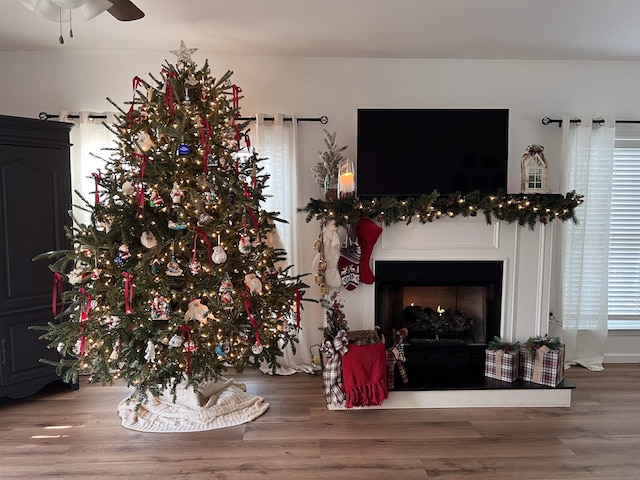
125	11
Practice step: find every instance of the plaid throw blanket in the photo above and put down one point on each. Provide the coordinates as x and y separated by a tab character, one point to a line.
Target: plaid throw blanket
364	374
332	350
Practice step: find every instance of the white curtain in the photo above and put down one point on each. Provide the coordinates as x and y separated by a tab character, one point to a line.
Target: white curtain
587	151
277	141
88	137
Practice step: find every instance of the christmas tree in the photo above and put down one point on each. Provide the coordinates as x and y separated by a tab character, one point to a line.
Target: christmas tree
175	280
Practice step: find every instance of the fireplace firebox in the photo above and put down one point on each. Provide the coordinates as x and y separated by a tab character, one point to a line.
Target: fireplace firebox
451	309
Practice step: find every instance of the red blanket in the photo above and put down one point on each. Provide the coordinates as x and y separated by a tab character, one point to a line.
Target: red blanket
364	375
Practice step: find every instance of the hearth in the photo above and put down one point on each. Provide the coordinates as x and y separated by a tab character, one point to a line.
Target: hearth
451	310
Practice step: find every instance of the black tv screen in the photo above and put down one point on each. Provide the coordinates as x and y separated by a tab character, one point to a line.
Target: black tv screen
409	152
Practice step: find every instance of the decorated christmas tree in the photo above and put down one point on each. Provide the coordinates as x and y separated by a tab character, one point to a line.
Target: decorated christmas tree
175	279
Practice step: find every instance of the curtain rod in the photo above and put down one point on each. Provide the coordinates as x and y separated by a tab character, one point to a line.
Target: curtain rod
599	121
323	119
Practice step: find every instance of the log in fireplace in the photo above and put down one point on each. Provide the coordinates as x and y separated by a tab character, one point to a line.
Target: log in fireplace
451	310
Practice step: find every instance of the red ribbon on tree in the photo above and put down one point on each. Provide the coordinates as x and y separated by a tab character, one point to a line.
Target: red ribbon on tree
143	164
186	331
128	292
298	306
97	177
205	135
140	199
137	81
168	94
252	319
203	234
84	316
236	104
58	287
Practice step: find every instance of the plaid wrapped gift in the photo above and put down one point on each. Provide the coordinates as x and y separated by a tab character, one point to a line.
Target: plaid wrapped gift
501	365
546	367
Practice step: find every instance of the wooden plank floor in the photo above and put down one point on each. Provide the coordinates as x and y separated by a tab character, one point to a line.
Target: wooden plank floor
63	434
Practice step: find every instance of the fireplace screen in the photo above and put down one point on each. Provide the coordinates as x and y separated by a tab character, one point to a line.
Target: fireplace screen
440	301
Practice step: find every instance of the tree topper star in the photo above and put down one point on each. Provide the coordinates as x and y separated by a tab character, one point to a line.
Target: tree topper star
184	53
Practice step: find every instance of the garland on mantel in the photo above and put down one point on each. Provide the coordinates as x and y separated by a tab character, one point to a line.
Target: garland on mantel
522	208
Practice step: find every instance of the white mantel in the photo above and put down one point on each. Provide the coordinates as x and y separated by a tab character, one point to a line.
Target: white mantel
526	254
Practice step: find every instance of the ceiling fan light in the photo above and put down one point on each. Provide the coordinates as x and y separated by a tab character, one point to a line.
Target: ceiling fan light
93	8
69	3
52	12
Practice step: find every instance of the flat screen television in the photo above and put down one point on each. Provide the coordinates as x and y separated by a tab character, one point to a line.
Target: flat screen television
409	152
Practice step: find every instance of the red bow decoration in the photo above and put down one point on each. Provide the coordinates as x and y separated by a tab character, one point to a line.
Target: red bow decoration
84	315
57	288
236	103
143	164
140	199
252	319
137	81
168	94
128	292
97	177
203	234
298	295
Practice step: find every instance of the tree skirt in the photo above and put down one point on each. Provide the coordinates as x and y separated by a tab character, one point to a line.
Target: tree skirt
220	404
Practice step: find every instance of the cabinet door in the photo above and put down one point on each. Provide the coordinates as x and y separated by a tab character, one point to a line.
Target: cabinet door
34	199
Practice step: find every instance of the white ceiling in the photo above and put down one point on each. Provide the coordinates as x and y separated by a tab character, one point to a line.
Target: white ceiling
467	29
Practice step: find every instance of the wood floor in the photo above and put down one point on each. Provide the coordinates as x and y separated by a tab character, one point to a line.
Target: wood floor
65	434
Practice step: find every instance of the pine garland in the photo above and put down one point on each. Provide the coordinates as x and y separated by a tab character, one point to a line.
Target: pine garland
497	344
525	209
534	343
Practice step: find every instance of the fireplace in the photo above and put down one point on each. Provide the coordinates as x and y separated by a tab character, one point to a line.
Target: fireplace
451	309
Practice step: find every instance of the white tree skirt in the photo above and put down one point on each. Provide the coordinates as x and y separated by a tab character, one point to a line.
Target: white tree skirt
220	404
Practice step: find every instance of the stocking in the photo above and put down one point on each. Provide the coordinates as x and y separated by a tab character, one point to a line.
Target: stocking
349	263
368	233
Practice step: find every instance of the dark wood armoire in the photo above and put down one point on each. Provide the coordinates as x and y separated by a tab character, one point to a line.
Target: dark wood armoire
35	197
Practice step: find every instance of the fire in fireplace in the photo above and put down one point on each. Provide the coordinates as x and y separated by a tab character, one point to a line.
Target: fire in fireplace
451	310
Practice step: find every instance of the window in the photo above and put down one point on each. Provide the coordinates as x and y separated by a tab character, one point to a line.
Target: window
535	178
624	241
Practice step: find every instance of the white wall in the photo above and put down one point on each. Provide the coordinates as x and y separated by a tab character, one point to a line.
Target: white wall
35	82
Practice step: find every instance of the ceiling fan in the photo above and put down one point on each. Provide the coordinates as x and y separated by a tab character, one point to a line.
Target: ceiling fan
60	10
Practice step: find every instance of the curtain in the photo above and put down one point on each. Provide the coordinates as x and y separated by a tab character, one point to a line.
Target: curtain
277	142
88	137
587	152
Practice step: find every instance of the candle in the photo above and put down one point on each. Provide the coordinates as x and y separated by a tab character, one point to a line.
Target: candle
346	184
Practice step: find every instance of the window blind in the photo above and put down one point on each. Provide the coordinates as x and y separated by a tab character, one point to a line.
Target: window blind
624	239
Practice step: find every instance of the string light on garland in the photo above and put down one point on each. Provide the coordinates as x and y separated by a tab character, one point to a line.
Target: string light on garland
525	209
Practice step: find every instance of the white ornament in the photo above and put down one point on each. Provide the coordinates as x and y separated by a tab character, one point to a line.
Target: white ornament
143	143
244	245
176	193
257	349
115	353
219	255
197	311
194	267
150	352
75	276
175	341
148	240
128	188
253	283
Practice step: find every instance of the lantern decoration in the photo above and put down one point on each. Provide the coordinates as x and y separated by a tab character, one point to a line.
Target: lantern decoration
534	168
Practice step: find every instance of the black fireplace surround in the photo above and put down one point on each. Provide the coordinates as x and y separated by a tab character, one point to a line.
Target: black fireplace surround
440	354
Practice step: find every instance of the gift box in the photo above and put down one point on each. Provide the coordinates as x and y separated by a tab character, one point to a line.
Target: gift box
545	366
501	365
